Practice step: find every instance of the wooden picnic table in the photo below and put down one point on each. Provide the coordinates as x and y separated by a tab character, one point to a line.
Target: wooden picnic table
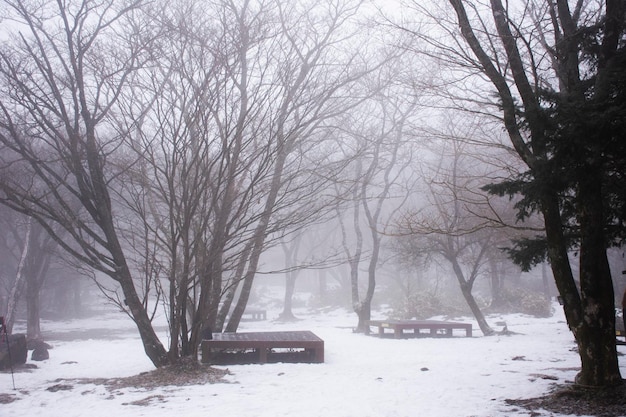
262	347
400	328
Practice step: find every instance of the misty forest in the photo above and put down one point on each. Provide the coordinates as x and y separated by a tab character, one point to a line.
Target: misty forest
435	158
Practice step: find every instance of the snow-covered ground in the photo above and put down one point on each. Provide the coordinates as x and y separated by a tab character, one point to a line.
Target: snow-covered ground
362	375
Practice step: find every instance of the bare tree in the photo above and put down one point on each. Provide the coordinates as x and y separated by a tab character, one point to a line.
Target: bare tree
449	227
381	155
231	147
312	91
61	75
173	150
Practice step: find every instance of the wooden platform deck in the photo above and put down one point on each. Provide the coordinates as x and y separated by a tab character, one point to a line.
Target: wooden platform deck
419	328
263	347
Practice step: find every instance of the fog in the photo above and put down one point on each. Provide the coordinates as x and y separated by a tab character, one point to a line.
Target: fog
179	161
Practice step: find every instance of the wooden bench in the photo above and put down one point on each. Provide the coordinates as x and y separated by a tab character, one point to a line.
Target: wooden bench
432	328
254	315
263	347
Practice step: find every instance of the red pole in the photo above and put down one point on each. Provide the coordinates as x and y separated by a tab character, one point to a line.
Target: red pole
624	313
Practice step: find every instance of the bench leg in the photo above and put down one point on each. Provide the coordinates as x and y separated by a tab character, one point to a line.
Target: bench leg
317	355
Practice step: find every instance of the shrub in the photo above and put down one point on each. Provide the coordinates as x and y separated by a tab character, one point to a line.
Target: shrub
525	301
424	305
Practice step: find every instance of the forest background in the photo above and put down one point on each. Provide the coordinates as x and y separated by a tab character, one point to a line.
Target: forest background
175	154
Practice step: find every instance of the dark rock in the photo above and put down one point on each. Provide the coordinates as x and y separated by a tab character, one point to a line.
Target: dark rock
40	350
40	353
34	343
13	350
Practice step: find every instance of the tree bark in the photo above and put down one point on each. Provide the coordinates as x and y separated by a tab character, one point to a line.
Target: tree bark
595	333
152	345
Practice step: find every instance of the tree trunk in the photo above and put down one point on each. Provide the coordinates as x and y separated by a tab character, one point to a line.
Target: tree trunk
38	266
595	333
152	345
545	280
357	304
33	326
589	314
354	262
466	290
291	253
227	302
77	299
496	285
256	249
19	283
364	313
290	287
321	277
175	317
242	302
559	261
